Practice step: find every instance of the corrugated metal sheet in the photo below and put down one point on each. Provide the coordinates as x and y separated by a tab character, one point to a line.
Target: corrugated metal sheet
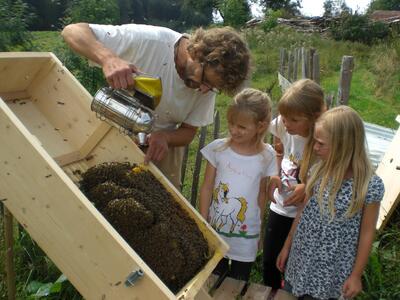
378	141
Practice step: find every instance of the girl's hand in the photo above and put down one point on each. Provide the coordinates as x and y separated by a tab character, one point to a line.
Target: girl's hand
298	195
282	259
274	182
352	286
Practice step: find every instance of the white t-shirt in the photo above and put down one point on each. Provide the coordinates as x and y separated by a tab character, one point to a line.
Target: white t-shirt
234	211
151	50
293	153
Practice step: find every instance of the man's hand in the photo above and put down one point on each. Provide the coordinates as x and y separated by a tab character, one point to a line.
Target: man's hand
158	146
274	182
118	72
352	287
297	196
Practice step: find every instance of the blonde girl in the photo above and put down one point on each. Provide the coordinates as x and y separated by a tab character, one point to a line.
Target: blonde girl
233	194
331	238
299	108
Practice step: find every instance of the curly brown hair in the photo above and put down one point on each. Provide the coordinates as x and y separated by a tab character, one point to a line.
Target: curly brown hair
224	50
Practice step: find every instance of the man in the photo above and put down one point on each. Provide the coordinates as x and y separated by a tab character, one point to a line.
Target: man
192	69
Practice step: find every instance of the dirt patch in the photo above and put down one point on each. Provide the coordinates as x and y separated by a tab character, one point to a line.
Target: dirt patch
145	214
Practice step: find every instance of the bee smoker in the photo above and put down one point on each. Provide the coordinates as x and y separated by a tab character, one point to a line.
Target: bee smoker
132	111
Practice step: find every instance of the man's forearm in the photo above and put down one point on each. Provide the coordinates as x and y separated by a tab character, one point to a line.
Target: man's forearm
82	40
180	137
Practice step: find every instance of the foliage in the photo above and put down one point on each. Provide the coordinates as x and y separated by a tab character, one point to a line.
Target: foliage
48	13
271	19
358	28
290	6
92	11
13	28
384	5
235	13
334	8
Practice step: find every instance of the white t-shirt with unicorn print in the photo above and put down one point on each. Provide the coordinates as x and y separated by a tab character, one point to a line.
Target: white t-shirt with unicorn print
234	211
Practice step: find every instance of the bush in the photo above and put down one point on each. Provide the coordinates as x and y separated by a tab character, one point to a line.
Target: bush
358	28
271	20
13	28
92	11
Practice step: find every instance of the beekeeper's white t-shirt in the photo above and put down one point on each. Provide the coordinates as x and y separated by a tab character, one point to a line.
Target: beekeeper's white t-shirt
151	50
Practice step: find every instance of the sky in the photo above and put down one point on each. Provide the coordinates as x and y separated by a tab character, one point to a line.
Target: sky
316	8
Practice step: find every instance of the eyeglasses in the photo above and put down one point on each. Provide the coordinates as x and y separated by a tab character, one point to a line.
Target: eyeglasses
196	84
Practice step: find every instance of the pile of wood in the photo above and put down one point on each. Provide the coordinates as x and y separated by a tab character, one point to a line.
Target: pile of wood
389	17
301	24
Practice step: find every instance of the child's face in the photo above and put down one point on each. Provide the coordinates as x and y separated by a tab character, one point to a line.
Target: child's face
243	129
297	125
321	146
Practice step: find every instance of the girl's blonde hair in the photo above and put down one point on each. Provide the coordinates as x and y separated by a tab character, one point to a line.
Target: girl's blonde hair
304	98
346	140
255	104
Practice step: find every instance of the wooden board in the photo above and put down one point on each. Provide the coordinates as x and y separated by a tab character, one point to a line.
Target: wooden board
257	292
40	170
229	289
389	170
283	295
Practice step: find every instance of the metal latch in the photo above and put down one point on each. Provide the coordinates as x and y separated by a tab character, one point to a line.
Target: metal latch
133	277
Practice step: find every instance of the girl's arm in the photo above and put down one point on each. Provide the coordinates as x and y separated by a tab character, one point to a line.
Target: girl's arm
206	190
275	181
284	254
262	197
352	286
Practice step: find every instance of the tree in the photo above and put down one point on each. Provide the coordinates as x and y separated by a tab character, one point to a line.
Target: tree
13	28
92	11
290	6
49	14
235	13
334	8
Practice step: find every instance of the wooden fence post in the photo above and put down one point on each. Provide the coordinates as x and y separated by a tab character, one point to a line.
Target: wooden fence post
184	165
304	65
310	63
217	124
315	69
346	72
9	246
282	60
295	64
197	166
290	66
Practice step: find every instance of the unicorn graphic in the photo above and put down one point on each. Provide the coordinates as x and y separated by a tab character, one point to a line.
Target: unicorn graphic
227	210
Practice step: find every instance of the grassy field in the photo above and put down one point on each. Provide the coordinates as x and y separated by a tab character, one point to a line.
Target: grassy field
374	94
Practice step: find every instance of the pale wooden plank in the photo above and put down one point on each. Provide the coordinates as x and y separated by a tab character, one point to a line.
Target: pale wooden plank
283	295
14	95
203	295
229	289
51	137
257	292
389	170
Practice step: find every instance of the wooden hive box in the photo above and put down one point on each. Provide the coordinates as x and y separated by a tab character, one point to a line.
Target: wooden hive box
47	134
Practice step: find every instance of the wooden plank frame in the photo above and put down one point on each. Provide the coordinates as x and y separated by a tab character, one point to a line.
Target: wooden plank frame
389	170
39	188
